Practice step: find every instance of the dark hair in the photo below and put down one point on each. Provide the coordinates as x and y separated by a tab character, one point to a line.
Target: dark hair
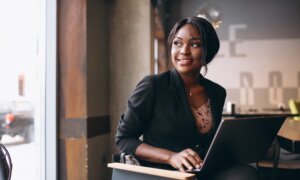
210	38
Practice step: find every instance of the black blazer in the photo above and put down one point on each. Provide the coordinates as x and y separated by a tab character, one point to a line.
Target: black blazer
159	110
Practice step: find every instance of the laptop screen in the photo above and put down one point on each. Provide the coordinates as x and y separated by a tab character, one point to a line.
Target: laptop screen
241	141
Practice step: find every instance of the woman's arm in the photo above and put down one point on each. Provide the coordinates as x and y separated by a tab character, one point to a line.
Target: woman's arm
186	159
136	117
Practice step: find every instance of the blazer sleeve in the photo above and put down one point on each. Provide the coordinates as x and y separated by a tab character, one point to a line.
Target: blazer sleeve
136	117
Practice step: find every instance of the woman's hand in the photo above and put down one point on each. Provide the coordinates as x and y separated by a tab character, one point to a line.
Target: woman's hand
186	159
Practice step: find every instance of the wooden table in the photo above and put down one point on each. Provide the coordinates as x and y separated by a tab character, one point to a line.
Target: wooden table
289	135
132	172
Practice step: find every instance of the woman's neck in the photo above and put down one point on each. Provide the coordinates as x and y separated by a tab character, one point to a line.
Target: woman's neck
190	80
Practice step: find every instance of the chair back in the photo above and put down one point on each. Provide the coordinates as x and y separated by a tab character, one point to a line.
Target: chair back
5	163
295	108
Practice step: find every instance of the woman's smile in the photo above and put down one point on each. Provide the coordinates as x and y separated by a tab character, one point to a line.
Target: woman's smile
184	61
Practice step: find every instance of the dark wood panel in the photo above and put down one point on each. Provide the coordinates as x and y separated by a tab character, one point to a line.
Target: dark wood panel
98	126
85	127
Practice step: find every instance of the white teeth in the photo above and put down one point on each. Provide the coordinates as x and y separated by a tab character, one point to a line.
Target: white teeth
183	60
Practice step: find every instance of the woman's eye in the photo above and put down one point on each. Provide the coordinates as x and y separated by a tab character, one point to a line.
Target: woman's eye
195	45
177	43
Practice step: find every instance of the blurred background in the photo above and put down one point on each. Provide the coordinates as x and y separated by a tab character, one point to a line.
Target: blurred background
68	67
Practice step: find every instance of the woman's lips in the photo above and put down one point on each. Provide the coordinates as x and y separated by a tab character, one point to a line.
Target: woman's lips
184	62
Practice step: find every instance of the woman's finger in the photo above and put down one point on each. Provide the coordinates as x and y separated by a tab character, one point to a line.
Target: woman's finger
181	168
187	164
193	157
192	160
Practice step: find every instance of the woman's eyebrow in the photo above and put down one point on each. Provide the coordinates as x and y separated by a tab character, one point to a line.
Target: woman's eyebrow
192	39
178	38
196	38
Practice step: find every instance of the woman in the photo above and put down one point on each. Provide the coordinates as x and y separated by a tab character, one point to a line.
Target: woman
178	111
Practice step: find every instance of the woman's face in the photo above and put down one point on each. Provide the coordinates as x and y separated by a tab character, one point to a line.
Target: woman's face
186	50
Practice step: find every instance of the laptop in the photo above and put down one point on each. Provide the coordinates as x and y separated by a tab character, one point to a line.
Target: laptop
241	141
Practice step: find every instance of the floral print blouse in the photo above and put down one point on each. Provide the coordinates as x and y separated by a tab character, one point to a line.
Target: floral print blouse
203	118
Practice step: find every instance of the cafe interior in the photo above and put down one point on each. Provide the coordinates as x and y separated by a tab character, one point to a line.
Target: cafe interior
105	47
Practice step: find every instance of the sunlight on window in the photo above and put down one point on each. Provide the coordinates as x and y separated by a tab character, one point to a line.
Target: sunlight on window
18	46
22	80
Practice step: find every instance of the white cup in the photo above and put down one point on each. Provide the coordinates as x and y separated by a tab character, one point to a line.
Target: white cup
230	107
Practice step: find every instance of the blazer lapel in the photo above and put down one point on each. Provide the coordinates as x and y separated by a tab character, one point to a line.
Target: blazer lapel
184	116
213	104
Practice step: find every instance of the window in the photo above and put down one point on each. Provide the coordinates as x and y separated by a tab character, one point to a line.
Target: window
25	64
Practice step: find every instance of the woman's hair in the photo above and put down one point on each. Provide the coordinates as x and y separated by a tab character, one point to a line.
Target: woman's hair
210	38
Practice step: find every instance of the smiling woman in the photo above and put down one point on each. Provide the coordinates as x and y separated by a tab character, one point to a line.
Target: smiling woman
179	139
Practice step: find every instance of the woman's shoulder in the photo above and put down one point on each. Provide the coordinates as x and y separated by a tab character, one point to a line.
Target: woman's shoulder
154	81
161	77
215	86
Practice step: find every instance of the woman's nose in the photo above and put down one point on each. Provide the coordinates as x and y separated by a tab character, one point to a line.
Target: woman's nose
185	49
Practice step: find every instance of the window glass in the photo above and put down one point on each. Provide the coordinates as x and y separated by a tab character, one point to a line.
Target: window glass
22	85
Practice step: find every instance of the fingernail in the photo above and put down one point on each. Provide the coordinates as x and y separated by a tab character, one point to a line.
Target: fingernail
190	167
197	166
